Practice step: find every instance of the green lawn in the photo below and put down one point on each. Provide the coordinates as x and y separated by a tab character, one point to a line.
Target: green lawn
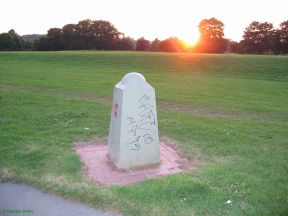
230	112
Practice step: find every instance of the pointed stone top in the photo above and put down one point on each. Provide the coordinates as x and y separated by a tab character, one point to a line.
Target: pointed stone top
133	78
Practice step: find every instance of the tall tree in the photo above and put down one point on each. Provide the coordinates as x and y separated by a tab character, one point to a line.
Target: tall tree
12	41
142	44
155	45
211	28
283	36
104	34
258	38
19	42
55	36
211	36
87	34
7	42
69	36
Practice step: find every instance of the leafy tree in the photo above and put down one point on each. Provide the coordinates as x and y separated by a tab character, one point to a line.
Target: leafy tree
97	34
211	36
211	28
87	34
142	44
258	38
283	36
212	45
19	42
55	39
105	33
171	45
52	41
124	44
42	44
232	47
155	45
69	36
12	41
6	42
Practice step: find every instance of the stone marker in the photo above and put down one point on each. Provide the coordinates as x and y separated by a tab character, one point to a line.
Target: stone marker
133	135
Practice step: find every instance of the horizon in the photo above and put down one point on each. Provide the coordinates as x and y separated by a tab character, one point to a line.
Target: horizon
161	19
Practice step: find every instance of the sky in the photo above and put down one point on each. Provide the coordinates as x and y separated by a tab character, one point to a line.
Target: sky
142	18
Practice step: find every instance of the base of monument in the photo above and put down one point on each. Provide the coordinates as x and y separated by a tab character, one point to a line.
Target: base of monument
101	169
116	167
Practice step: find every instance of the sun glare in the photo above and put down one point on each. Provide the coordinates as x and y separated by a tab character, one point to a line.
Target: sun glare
190	41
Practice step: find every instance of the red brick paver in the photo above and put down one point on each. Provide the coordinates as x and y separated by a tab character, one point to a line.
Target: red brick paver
101	169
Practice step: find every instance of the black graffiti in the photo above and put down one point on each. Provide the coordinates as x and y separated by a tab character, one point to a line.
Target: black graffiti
146	125
147	138
133	130
147	116
135	144
144	98
131	121
145	107
145	121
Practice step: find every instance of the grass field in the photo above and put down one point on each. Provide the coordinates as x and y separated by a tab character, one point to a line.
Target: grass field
230	112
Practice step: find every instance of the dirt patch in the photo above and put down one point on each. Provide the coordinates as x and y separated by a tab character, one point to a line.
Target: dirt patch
191	109
6	174
58	93
169	106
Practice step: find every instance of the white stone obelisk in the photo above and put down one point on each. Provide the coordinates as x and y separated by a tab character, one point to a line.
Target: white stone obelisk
133	135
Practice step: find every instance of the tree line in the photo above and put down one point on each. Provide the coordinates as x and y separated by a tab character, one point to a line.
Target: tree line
12	41
258	38
263	38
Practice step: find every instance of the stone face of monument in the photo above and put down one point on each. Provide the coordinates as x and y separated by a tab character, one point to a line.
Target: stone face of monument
133	135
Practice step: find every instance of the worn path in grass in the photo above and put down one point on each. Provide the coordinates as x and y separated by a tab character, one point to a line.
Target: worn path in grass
25	200
169	106
228	111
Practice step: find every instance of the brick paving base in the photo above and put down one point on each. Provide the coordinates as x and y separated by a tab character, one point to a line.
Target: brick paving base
101	169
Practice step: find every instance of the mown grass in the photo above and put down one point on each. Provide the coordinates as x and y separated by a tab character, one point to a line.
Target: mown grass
228	111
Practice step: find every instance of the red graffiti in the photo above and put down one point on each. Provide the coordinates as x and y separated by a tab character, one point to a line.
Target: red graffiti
115	109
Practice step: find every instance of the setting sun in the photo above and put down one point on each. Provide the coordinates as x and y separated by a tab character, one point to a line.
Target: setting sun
149	22
190	40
